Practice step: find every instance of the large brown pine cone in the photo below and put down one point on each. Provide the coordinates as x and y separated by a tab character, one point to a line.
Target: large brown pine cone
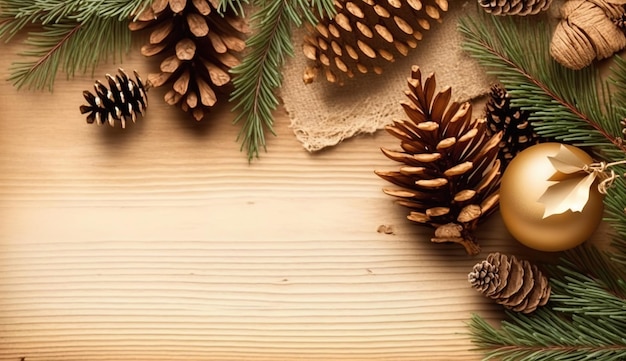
450	175
365	33
198	47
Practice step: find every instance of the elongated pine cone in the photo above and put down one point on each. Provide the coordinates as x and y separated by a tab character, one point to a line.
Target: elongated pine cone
588	31
451	175
518	133
515	7
365	33
516	284
121	101
198	46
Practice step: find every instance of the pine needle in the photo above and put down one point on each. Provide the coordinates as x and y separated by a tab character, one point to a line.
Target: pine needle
571	106
68	47
259	74
65	37
575	107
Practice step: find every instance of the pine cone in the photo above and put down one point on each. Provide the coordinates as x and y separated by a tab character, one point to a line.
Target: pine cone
518	133
199	46
516	284
363	33
451	176
122	100
514	7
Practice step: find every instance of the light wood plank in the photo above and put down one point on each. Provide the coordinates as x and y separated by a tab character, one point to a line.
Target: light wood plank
161	242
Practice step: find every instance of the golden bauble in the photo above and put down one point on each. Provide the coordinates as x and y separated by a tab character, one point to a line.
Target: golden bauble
523	183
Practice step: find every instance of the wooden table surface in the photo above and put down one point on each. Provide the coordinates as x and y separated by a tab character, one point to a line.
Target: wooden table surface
161	242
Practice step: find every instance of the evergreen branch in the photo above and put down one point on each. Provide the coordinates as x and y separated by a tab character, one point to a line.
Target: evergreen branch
259	74
68	47
584	319
17	14
564	104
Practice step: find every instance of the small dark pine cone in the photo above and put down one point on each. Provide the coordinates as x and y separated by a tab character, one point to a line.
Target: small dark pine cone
621	21
122	100
514	7
512	121
516	284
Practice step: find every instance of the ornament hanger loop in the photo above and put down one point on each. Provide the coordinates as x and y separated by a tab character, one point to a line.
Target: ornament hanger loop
600	169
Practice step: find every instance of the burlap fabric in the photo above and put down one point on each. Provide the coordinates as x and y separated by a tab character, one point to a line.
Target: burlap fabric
324	114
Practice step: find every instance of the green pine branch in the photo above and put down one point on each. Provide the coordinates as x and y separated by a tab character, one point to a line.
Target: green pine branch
65	35
568	105
69	47
259	74
584	319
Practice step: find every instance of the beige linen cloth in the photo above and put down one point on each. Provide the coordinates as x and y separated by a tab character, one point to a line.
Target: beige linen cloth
323	114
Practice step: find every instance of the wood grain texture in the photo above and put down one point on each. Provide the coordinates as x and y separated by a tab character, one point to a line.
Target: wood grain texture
161	242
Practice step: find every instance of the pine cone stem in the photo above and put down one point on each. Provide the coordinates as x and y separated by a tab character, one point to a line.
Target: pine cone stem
455	233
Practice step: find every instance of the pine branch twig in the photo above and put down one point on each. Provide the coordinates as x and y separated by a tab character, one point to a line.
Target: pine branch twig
565	104
65	34
259	74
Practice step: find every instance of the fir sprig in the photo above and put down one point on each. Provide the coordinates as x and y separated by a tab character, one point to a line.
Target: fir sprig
584	319
260	73
65	33
60	46
567	105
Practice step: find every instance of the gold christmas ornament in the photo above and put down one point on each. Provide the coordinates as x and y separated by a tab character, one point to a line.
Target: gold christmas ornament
547	201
